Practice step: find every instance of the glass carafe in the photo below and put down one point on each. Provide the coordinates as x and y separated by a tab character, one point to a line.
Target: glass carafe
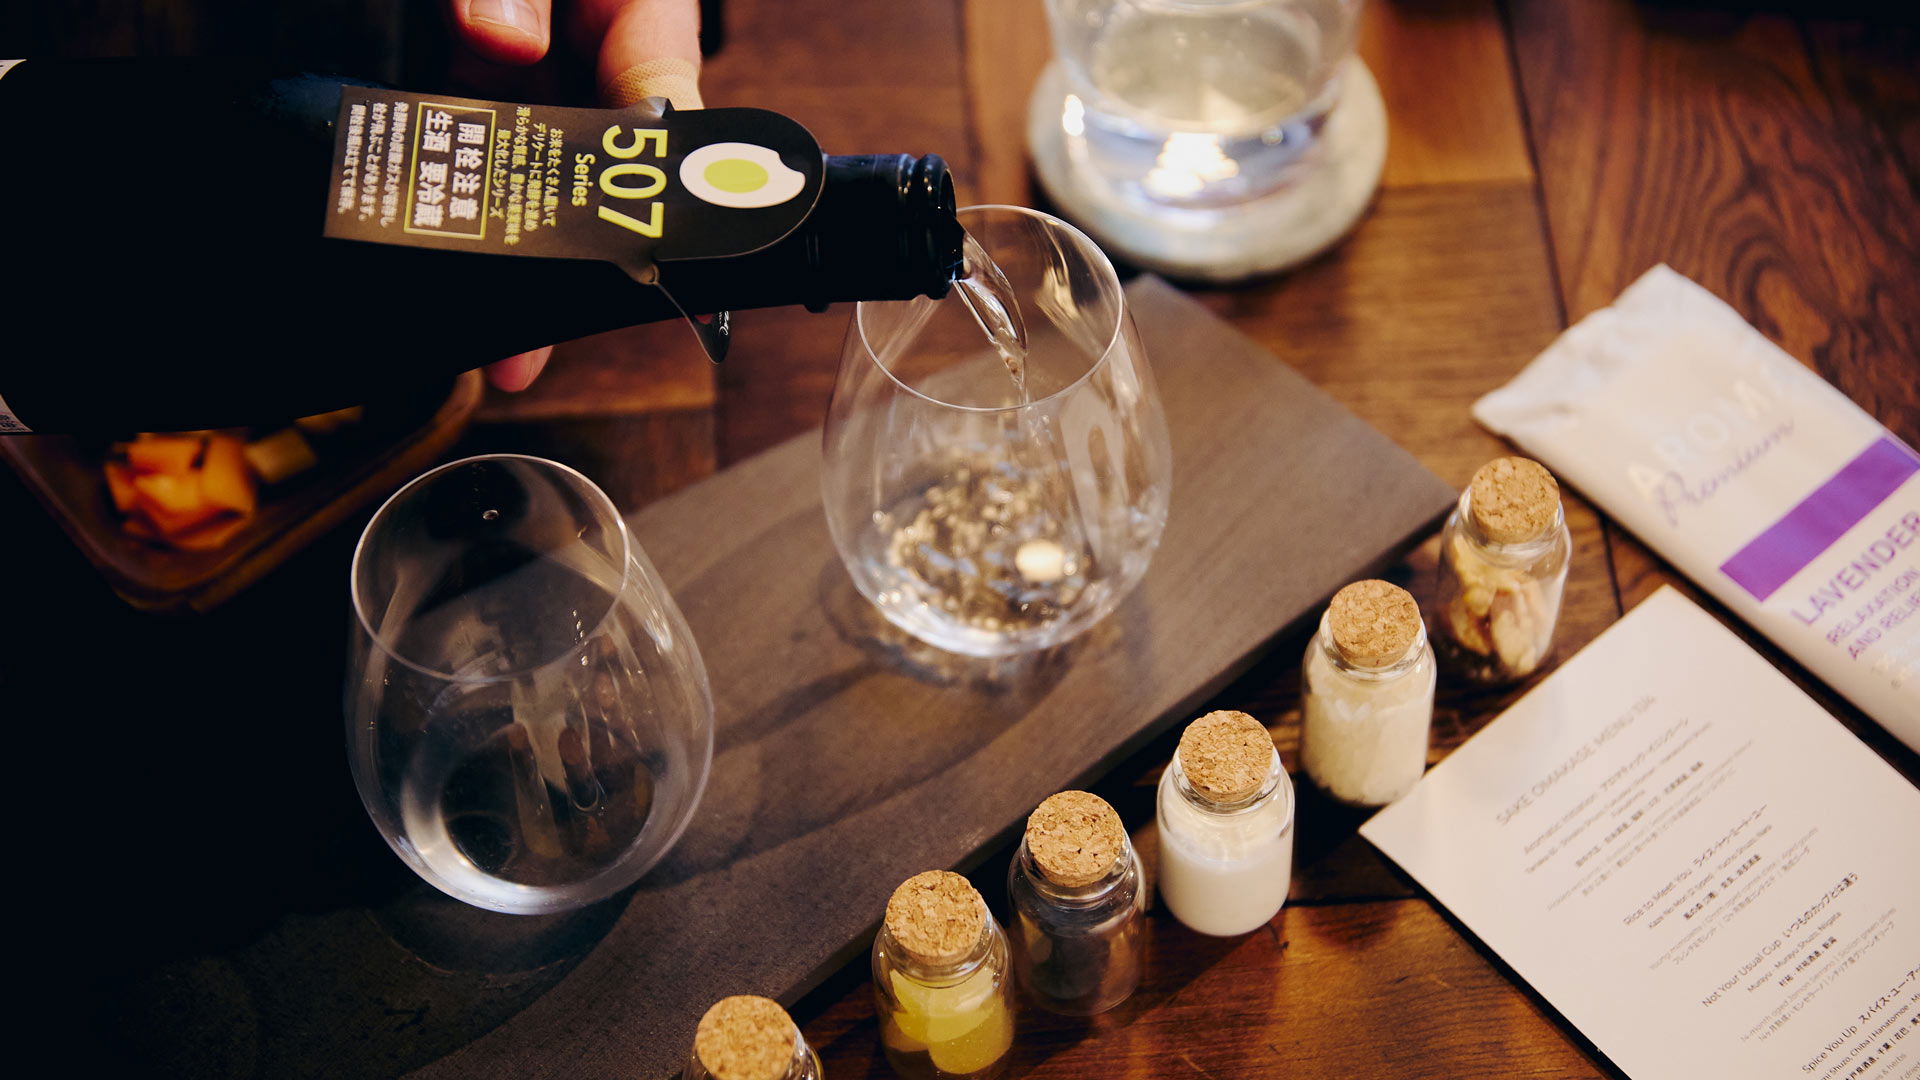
1208	139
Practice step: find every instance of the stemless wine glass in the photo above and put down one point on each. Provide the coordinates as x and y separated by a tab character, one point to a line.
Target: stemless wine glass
985	509
528	718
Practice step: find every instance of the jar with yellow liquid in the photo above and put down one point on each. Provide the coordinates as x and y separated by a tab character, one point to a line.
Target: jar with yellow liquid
941	981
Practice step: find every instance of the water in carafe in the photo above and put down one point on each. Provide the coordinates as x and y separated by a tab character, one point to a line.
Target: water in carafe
1207	104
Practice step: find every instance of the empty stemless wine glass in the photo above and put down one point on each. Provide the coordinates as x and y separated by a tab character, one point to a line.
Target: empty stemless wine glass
528	719
997	467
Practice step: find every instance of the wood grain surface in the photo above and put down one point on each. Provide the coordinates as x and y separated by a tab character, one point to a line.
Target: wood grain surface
1467	266
1447	78
1541	155
1776	188
1374	988
1783	154
849	757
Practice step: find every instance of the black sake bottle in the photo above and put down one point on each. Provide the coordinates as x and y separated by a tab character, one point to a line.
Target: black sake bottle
200	244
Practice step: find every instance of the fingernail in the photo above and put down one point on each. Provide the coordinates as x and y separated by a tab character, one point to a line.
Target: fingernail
509	375
514	13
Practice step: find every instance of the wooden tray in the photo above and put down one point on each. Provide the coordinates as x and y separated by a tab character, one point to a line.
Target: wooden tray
389	446
848	757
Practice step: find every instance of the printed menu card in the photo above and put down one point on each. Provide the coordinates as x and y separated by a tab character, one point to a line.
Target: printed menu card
1689	858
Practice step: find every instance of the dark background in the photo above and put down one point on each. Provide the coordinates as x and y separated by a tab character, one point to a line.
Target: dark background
184	818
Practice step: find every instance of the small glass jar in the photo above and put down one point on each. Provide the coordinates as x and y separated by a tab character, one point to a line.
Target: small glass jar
1079	928
1226	849
1366	696
941	982
1503	566
747	1037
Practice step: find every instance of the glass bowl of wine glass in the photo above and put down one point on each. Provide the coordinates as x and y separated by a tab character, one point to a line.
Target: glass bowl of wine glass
997	467
528	719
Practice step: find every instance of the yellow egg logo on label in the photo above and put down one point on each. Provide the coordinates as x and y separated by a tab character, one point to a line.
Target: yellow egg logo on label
739	175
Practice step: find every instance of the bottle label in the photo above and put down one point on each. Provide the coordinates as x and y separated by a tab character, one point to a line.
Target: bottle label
9	423
633	186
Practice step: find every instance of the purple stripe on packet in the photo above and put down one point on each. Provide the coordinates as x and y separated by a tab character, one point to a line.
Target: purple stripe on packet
1788	545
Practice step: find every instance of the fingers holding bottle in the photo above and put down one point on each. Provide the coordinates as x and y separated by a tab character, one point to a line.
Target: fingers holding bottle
516	373
505	31
644	48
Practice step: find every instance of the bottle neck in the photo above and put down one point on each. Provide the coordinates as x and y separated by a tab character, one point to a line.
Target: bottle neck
1276	786
884	229
1515	554
805	1064
1408	662
1076	897
940	974
887	223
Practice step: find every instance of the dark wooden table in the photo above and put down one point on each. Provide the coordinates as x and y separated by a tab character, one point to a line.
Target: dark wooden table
1542	155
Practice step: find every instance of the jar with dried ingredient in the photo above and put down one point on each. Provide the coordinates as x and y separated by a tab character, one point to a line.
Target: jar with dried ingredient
1225	813
1366	696
941	981
1079	901
1503	565
747	1037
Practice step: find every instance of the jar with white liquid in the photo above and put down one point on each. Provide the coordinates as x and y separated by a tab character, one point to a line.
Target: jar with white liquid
1226	826
1366	696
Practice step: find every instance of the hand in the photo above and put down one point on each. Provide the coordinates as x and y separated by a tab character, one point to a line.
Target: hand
641	47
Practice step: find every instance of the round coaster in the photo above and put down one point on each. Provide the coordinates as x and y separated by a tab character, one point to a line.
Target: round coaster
1227	243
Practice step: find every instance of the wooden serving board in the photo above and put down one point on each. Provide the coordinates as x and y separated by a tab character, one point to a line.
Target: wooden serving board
849	757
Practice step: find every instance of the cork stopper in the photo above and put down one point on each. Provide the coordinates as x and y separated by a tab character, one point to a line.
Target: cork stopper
1513	500
936	917
1373	623
745	1037
1075	838
1226	755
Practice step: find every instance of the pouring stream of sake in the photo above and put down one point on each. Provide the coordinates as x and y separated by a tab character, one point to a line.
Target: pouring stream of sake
990	298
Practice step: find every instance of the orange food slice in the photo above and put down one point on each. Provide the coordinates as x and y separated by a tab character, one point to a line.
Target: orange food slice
209	537
172	493
120	486
173	504
194	492
163	454
225	480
